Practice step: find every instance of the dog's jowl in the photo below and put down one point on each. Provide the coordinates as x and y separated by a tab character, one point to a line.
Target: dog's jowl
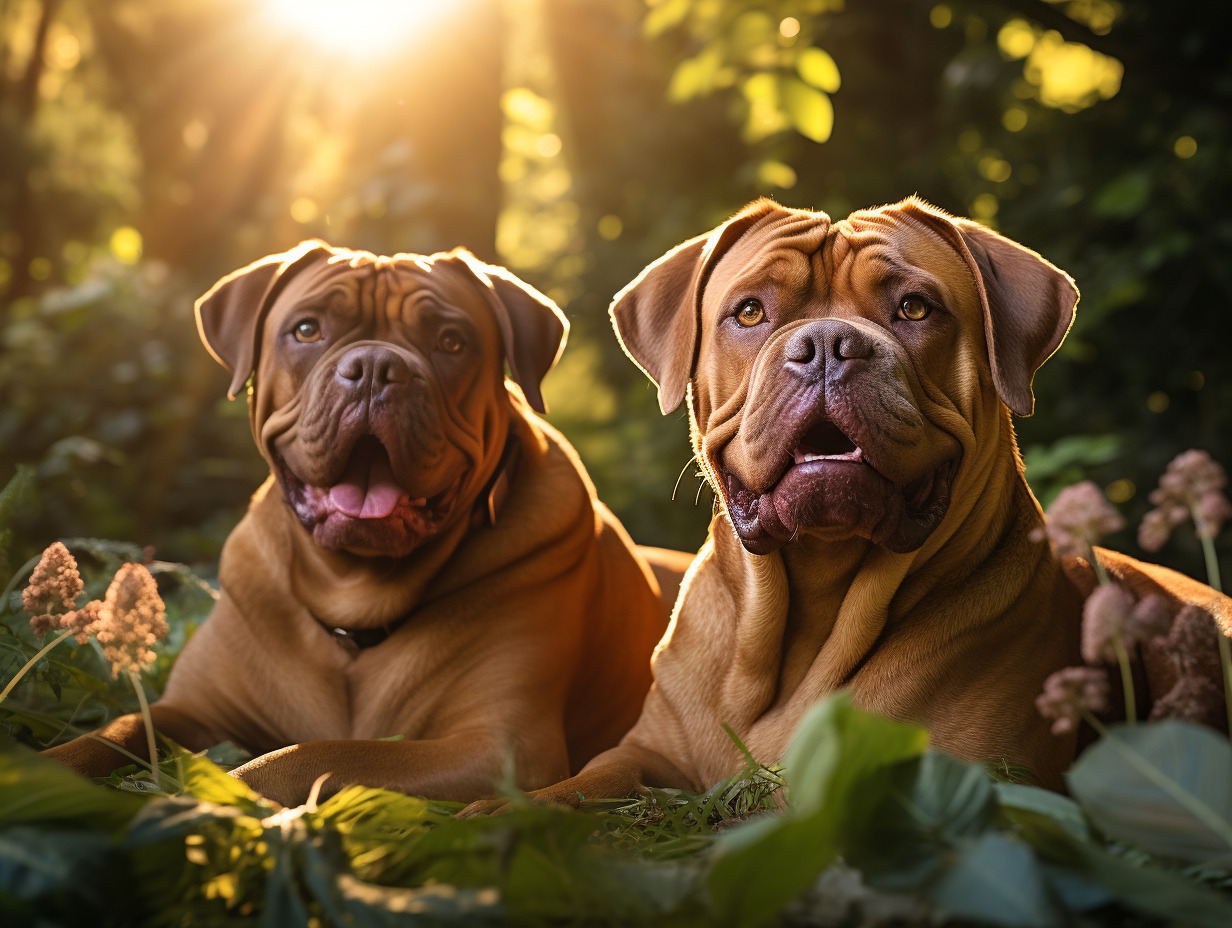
427	562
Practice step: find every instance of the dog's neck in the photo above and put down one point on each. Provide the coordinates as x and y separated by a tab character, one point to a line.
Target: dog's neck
814	610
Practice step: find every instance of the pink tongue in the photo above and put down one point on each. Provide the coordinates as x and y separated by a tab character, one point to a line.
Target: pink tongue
367	489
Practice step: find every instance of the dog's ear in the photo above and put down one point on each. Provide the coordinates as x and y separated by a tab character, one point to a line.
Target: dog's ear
531	325
657	315
1028	307
230	315
1028	302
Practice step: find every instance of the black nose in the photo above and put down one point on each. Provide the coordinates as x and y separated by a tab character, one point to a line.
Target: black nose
373	366
826	344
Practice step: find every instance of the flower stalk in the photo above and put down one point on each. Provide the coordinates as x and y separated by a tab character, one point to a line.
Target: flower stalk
135	679
34	660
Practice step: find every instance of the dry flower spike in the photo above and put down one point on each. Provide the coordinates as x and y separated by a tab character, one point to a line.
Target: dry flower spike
132	618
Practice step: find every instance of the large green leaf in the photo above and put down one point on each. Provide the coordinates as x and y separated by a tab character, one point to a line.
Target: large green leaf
931	805
839	769
995	880
837	746
37	789
1165	787
1015	797
1157	892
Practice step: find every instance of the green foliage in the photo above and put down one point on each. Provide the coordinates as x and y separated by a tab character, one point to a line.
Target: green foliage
875	823
1165	788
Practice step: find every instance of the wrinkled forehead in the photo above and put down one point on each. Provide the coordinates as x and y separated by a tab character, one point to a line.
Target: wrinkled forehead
892	245
780	252
870	249
355	283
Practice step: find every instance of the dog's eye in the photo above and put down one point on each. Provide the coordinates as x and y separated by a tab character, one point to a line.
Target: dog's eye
450	342
913	308
307	330
750	313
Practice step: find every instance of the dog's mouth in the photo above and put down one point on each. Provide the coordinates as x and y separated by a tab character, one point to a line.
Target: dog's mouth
368	509
828	483
825	441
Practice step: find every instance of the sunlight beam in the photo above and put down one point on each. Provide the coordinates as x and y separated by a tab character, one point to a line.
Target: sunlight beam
357	28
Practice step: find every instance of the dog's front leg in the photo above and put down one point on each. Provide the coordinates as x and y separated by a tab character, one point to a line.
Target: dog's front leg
93	756
457	767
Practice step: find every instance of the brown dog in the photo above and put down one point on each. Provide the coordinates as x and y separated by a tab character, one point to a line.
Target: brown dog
850	386
428	559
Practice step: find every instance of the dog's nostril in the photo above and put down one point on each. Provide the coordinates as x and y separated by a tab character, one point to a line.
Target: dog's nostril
351	368
852	347
391	371
801	349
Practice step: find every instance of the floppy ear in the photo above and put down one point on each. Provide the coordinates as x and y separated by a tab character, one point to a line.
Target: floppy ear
1028	308
531	325
657	315
1028	302
230	315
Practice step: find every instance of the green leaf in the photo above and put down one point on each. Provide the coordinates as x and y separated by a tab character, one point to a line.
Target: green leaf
665	15
1165	788
1015	797
931	805
39	789
809	110
1157	892
839	769
38	861
996	880
836	746
695	76
818	69
1125	196
205	780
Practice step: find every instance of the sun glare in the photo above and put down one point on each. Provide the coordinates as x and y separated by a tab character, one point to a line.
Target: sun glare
357	27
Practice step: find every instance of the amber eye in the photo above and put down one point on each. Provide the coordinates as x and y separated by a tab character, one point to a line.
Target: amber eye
450	342
750	313
913	308
307	330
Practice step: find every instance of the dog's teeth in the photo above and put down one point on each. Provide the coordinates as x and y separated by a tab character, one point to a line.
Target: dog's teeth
422	501
804	457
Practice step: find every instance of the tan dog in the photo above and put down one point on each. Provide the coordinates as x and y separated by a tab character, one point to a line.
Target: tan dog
428	559
850	386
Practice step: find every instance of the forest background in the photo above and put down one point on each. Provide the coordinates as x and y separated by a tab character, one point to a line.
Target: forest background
148	147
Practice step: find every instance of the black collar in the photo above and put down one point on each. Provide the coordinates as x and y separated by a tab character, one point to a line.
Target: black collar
487	507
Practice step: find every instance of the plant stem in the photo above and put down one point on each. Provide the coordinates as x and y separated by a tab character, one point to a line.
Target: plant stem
149	726
1213	578
34	660
22	571
1127	679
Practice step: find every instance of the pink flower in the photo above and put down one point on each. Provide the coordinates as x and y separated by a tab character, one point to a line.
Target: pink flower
1104	616
132	618
1079	517
1151	616
1069	692
1193	699
54	585
1191	488
1194	644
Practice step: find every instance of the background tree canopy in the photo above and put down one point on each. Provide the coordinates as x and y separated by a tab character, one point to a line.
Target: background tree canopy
149	146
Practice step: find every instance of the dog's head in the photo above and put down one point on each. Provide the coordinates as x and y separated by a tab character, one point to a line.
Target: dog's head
838	371
377	383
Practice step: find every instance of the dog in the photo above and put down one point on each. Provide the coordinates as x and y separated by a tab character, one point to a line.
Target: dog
850	388
427	562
